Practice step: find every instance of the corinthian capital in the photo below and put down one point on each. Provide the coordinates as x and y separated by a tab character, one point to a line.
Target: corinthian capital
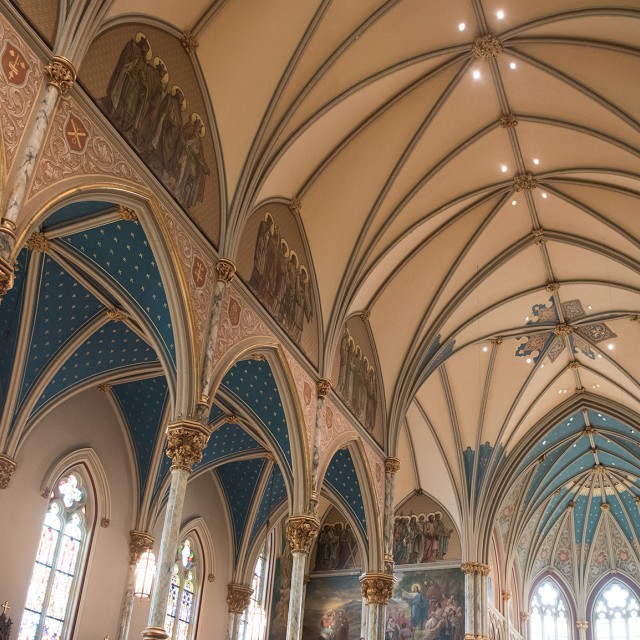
61	74
226	270
238	597
7	467
6	277
377	587
301	531
186	440
392	465
139	542
324	387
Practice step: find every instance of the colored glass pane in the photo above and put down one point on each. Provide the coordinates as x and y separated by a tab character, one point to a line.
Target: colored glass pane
51	519
69	491
549	618
38	587
59	595
29	625
52	629
47	546
68	555
616	614
172	600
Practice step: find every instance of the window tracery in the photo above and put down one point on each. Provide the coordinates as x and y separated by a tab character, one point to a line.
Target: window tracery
550	618
253	623
59	562
182	593
616	613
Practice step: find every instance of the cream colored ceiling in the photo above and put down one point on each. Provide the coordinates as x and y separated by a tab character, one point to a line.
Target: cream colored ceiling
370	112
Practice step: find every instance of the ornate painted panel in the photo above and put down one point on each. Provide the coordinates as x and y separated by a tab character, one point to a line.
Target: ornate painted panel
160	110
274	263
336	546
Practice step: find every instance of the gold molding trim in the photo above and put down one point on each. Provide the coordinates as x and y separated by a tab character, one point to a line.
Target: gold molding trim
475	567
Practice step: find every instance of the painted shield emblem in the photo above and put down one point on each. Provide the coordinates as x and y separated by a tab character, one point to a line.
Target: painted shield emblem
198	272
14	65
75	133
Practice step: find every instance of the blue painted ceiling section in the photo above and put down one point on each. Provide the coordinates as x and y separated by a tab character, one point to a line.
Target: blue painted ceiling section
251	382
11	308
618	511
634	514
76	211
113	347
62	307
120	250
142	403
239	481
275	493
227	441
215	413
341	476
436	356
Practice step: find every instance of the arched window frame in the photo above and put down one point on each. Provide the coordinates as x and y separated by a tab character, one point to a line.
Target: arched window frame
598	593
254	619
87	507
568	607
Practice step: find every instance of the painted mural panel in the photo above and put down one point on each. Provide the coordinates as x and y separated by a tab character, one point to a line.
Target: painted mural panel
273	261
333	608
424	532
356	377
336	546
427	605
145	83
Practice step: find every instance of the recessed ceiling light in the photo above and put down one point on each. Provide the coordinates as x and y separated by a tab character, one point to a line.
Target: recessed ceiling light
500	14
476	75
589	307
544	195
542	366
528	360
514	202
462	26
536	161
599	355
512	65
610	346
504	168
485	349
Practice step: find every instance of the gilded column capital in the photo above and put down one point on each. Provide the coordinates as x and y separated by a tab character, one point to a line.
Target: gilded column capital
324	387
38	242
475	567
238	597
582	624
7	467
377	588
226	270
486	47
301	531
62	74
392	465
506	595
139	542
186	440
127	213
6	277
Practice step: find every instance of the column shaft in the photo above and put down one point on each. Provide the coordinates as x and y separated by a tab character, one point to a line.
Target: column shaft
127	604
296	602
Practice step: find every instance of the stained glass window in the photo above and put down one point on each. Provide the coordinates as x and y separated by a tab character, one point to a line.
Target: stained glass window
550	619
616	613
180	603
56	568
253	623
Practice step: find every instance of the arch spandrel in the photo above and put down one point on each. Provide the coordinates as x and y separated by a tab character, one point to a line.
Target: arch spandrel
44	15
152	95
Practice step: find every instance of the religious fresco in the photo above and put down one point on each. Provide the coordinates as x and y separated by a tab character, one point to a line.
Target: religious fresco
274	264
426	605
336	545
356	377
424	532
332	608
160	110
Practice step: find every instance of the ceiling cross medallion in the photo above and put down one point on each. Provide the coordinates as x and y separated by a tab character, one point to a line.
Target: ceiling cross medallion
486	47
552	342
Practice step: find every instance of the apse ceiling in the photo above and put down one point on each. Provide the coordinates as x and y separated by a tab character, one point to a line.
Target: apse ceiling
469	175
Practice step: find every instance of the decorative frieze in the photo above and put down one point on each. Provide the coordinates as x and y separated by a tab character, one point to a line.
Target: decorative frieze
186	440
377	588
238	597
301	532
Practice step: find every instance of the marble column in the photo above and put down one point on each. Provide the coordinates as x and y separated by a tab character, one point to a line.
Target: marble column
139	542
364	619
377	588
185	441
524	624
391	467
323	387
506	610
7	467
301	531
238	598
582	626
61	78
225	270
476	600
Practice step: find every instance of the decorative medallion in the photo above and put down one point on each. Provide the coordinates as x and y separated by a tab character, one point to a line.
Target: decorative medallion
486	47
14	65
75	134
198	272
524	182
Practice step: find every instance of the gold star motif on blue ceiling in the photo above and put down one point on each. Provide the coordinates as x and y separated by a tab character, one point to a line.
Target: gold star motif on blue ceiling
239	481
341	476
275	493
10	316
62	307
121	251
142	403
251	384
76	211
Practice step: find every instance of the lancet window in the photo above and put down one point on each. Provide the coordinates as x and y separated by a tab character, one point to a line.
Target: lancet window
59	563
616	613
550	617
182	593
253	623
